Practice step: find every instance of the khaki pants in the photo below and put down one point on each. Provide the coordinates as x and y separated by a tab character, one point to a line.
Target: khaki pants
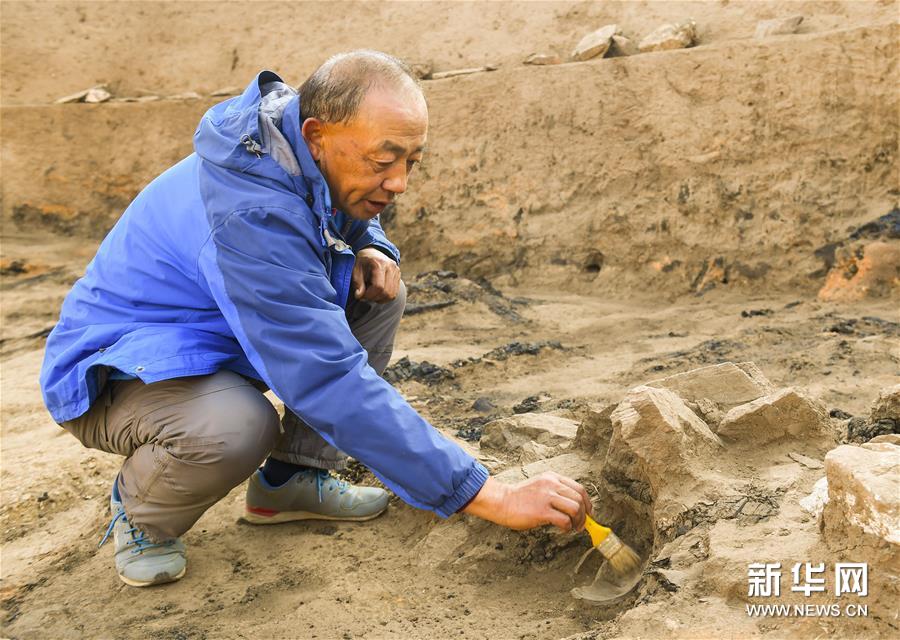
188	441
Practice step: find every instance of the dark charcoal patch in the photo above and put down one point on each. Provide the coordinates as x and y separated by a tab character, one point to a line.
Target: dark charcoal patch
405	369
528	405
14	268
846	327
413	309
436	289
838	414
521	349
474	428
887	226
865	326
861	430
752	313
707	352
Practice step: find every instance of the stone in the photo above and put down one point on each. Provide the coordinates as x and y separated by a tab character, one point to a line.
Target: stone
806	461
670	36
708	410
483	405
74	97
570	465
186	95
890	438
777	27
815	502
864	491
97	95
532	451
684	551
772	417
595	44
512	433
658	435
542	59
441	75
92	95
727	385
887	406
622	46
595	428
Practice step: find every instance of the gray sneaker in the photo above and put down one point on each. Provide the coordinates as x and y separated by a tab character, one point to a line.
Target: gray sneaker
141	562
313	494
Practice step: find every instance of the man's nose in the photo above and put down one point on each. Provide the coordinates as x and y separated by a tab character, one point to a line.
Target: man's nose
396	181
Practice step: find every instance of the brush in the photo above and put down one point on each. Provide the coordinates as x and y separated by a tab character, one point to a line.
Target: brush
620	556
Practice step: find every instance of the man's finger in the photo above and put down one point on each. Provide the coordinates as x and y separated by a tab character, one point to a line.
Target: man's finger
569	508
558	519
358	279
582	492
394	278
575	497
375	285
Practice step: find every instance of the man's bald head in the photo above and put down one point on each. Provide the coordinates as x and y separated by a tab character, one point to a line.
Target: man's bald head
334	92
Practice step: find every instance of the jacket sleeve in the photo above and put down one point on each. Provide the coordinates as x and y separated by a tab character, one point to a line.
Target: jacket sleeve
373	236
264	269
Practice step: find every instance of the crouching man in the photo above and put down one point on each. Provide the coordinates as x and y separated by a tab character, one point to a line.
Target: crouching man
258	262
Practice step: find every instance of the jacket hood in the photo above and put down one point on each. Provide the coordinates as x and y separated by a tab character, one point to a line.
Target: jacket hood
258	134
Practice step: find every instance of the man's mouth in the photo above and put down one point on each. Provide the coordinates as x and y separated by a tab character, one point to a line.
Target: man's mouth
376	206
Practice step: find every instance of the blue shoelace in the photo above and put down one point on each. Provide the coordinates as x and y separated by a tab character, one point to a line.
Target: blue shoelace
321	476
140	541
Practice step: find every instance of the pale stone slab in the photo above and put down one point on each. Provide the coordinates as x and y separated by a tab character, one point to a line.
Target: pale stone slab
727	384
670	36
657	431
783	413
864	490
512	433
595	44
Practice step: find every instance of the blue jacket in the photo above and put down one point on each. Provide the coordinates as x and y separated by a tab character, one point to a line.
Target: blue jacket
233	259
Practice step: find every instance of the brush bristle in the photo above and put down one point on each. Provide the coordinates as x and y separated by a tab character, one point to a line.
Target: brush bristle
621	557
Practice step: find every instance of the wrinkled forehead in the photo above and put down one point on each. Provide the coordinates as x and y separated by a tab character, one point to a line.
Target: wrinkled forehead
392	114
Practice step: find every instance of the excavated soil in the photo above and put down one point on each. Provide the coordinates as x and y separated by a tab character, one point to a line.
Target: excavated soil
577	230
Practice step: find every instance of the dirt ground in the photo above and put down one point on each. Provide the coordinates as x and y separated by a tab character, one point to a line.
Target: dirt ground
575	231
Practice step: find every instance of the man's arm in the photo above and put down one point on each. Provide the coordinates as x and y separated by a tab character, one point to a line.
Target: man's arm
264	269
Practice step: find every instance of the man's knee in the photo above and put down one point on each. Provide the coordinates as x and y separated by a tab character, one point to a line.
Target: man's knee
237	429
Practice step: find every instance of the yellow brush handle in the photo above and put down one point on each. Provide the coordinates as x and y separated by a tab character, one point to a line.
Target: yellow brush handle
597	531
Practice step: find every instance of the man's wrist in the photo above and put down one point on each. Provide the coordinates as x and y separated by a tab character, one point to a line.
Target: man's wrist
380	249
490	501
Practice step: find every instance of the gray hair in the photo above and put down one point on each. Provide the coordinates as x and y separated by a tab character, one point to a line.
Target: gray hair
335	90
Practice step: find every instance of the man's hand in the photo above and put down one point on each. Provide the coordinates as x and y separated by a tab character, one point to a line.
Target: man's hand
376	277
545	499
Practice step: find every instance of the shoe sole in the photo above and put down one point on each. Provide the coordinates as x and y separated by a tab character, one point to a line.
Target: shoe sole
293	516
162	578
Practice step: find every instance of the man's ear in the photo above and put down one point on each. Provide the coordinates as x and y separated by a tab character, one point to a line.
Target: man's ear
313	130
